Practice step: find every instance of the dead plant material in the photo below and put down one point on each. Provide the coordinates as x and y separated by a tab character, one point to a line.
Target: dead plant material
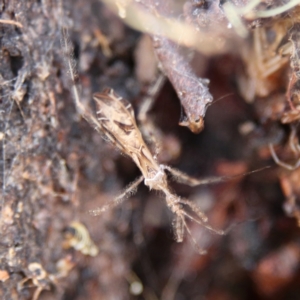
192	91
11	22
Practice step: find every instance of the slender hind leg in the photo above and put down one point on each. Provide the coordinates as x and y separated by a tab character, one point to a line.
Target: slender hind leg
129	191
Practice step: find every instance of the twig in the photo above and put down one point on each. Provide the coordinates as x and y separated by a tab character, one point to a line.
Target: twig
11	22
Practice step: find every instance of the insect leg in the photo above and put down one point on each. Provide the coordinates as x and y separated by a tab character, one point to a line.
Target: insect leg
130	190
191	181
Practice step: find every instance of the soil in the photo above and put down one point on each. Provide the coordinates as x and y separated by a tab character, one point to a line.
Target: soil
55	168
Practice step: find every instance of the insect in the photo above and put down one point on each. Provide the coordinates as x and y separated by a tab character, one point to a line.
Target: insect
117	120
77	236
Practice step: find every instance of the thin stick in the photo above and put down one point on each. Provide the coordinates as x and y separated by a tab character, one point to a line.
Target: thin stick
11	22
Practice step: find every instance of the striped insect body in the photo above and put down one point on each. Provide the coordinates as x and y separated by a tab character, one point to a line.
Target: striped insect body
117	120
116	116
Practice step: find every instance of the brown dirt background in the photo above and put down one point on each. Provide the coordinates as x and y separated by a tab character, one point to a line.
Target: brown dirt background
55	168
